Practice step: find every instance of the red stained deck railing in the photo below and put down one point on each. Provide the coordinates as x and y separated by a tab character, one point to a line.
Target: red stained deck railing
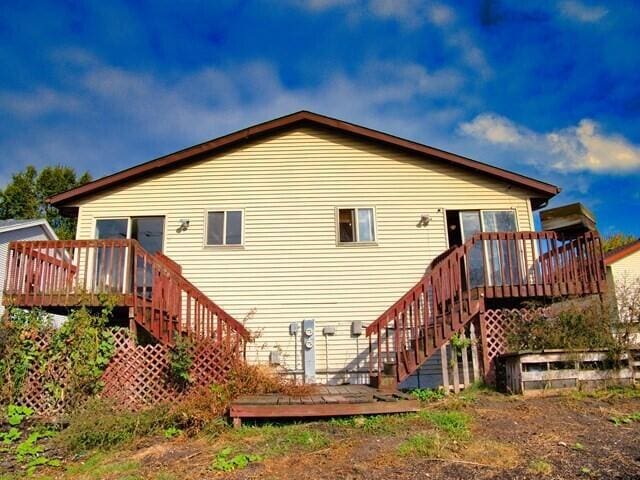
66	273
489	265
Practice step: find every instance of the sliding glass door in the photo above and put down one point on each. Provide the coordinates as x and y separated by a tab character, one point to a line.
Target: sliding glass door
112	262
492	256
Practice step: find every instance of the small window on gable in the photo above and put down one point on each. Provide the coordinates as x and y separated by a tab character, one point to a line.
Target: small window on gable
224	227
356	225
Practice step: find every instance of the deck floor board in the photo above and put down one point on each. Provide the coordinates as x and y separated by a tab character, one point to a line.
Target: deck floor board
323	401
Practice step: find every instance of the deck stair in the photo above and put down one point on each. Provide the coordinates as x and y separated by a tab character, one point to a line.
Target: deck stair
458	283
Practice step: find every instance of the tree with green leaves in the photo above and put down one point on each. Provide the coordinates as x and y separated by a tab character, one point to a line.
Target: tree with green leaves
616	240
24	197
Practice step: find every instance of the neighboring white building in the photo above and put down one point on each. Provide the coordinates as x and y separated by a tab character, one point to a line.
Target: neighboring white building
11	230
623	269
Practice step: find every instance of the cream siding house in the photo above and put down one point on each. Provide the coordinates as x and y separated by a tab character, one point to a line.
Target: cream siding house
299	190
623	268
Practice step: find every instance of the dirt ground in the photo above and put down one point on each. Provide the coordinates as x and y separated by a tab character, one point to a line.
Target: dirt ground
572	436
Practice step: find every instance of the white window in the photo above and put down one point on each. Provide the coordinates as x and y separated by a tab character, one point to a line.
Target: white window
356	225
224	227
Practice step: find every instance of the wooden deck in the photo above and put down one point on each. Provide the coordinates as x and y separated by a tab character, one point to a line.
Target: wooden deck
67	273
322	401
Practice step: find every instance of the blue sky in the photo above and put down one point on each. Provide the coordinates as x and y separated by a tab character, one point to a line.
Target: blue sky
551	90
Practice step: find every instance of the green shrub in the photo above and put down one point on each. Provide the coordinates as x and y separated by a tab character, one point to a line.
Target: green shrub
181	361
100	424
78	351
17	413
571	325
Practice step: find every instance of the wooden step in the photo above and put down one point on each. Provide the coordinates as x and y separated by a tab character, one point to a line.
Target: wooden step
384	383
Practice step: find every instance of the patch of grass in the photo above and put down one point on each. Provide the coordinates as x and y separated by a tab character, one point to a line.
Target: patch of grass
383	424
165	476
541	467
271	440
87	465
280	440
97	467
423	445
609	393
625	419
172	432
102	425
454	423
428	394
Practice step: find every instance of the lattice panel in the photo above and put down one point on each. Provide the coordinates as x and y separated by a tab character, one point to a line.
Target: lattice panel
35	393
499	325
137	376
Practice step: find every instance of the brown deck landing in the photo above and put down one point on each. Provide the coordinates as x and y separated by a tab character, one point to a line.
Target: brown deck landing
323	401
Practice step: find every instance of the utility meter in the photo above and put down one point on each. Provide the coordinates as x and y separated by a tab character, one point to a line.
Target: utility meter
309	350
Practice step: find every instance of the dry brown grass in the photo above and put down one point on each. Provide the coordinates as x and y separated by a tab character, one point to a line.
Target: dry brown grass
203	406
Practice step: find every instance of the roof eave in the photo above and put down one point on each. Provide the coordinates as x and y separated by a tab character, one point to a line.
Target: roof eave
613	257
173	160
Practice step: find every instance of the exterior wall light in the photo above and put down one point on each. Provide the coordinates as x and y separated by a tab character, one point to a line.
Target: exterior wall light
184	225
425	218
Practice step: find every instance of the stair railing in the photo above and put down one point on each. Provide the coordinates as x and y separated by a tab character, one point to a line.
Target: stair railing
489	265
166	303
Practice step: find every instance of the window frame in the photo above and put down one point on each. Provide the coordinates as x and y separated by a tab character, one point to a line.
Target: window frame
357	242
225	245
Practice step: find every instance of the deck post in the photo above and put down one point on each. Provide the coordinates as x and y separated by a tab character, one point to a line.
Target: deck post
133	326
444	363
485	345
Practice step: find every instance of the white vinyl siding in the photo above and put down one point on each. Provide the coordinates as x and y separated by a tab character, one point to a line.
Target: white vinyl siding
626	279
290	267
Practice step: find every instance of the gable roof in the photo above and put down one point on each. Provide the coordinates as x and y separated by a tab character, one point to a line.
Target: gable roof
11	225
619	253
217	145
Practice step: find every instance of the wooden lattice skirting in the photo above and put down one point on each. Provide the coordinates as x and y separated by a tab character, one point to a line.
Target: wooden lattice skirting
137	376
500	323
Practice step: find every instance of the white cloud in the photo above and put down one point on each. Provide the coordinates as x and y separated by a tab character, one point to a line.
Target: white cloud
581	12
322	4
134	115
579	148
38	102
495	129
414	14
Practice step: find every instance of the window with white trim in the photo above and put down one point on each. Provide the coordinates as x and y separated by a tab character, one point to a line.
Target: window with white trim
356	225
224	227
